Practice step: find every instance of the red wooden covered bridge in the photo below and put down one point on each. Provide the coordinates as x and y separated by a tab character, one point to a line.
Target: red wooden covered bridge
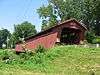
67	32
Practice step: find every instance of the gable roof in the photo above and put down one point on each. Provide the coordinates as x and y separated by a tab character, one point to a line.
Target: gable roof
81	24
48	30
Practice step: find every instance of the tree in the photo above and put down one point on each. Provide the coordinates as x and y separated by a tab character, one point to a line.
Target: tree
44	25
48	16
4	36
97	17
86	11
12	41
23	30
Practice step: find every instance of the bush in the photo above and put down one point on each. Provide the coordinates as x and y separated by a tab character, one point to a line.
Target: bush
96	40
39	58
90	36
40	49
26	55
7	56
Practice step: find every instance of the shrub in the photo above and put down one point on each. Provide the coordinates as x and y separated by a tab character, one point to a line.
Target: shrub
7	56
26	55
40	49
39	58
90	36
96	40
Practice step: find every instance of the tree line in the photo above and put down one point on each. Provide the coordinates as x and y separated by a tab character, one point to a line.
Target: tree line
21	31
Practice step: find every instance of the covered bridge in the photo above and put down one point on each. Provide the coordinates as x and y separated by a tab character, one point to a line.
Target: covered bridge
67	32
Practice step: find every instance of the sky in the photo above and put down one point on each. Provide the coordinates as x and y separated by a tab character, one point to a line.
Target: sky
17	11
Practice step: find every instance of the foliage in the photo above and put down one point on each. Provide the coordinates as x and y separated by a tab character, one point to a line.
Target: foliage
24	30
48	15
59	60
96	40
90	37
39	58
40	49
44	25
86	11
7	56
12	41
4	35
21	31
97	17
26	55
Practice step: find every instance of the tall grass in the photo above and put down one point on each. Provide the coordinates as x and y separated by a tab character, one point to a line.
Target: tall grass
70	60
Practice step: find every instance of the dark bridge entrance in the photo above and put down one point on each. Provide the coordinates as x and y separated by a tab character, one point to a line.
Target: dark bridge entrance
70	36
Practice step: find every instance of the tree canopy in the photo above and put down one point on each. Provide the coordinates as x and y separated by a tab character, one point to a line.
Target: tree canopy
24	30
21	31
86	11
4	35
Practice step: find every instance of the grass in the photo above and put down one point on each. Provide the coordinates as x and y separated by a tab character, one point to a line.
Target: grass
60	60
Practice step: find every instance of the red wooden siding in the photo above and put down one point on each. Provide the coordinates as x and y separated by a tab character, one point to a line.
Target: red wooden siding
48	40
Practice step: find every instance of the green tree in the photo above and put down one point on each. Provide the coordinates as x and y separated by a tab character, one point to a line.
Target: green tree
86	11
12	41
4	36
97	17
44	25
23	30
48	16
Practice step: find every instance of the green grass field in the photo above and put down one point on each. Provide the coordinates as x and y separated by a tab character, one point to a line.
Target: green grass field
60	60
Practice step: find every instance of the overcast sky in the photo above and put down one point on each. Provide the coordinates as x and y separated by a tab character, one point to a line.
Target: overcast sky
16	11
